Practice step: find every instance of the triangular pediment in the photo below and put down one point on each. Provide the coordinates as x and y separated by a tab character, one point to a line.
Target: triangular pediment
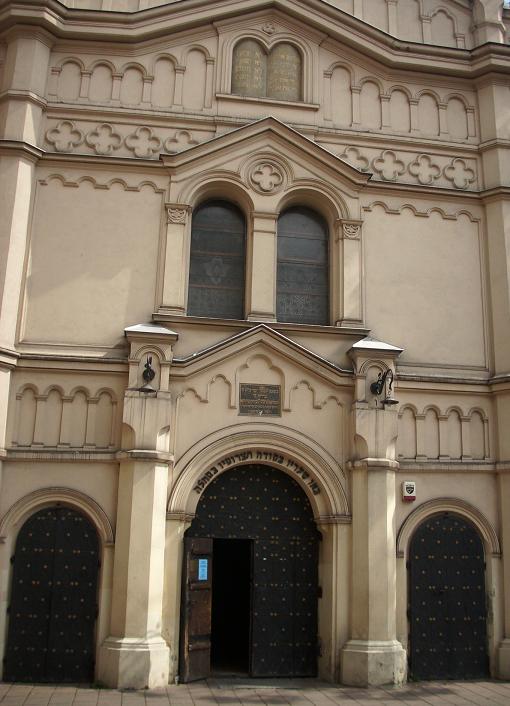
262	139
261	339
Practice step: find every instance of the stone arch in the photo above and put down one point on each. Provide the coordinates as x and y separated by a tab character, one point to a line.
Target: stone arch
163	55
237	446
107	391
195	47
27	505
51	388
102	62
443	27
317	196
133	65
163	70
220	185
342	65
25	387
428	112
456	505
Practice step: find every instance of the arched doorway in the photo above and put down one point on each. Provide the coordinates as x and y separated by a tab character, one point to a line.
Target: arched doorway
53	604
448	615
255	612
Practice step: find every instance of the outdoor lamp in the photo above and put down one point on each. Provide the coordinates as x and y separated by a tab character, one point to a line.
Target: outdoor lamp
384	383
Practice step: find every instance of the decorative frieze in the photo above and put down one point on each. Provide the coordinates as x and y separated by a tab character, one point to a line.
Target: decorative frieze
448	171
109	139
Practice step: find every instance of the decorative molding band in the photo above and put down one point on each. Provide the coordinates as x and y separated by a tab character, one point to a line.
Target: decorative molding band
30	454
24	149
432	507
43	497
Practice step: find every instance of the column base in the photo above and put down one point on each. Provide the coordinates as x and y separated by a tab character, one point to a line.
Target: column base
373	663
133	663
503	659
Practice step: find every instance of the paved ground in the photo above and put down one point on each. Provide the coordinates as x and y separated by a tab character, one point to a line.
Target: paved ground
264	693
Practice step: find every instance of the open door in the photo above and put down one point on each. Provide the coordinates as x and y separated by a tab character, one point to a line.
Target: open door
196	604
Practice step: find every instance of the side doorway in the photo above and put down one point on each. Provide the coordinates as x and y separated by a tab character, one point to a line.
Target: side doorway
53	603
447	600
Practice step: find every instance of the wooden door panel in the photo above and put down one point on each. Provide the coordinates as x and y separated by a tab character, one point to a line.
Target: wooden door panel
196	605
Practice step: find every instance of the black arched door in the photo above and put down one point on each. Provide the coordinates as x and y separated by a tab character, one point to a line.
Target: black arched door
53	605
258	526
448	612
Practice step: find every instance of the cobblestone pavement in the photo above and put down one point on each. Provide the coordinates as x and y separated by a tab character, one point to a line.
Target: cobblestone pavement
228	692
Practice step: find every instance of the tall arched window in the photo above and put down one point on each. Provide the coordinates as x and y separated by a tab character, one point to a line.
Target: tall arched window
217	261
302	283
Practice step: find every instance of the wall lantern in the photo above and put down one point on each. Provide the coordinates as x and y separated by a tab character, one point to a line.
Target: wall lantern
384	384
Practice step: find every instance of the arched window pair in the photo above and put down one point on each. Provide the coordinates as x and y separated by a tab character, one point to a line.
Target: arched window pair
217	276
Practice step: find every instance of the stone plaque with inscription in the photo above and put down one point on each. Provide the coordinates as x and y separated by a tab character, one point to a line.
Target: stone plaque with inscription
260	400
284	73
249	69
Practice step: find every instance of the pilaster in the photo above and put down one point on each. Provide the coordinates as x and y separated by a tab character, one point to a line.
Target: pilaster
262	301
136	655
373	655
503	655
176	258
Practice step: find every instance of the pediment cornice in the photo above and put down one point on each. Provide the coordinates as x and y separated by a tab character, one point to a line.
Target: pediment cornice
154	23
259	339
262	135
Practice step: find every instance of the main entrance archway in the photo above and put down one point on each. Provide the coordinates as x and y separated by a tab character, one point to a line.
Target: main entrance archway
53	605
256	525
447	600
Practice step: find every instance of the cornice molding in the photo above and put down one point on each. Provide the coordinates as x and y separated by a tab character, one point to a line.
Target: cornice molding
21	148
75	24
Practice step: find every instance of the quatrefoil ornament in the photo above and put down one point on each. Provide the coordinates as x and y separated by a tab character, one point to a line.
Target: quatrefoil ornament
266	178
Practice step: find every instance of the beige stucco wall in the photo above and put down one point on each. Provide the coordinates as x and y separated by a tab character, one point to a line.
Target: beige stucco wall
111	135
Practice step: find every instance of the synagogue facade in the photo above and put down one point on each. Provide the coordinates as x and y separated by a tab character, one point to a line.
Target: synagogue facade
254	340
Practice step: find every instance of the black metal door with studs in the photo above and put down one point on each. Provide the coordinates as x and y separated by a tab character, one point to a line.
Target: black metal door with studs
273	570
53	605
448	615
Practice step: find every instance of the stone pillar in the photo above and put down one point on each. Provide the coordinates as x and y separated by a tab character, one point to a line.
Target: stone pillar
373	656
327	95
392	17
487	21
262	298
176	526
351	304
176	259
494	107
179	83
334	577
136	655
503	655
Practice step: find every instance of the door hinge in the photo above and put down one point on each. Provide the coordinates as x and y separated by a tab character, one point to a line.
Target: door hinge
12	559
319	591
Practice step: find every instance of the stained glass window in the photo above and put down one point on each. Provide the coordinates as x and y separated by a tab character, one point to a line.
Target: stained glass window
302	285
217	262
